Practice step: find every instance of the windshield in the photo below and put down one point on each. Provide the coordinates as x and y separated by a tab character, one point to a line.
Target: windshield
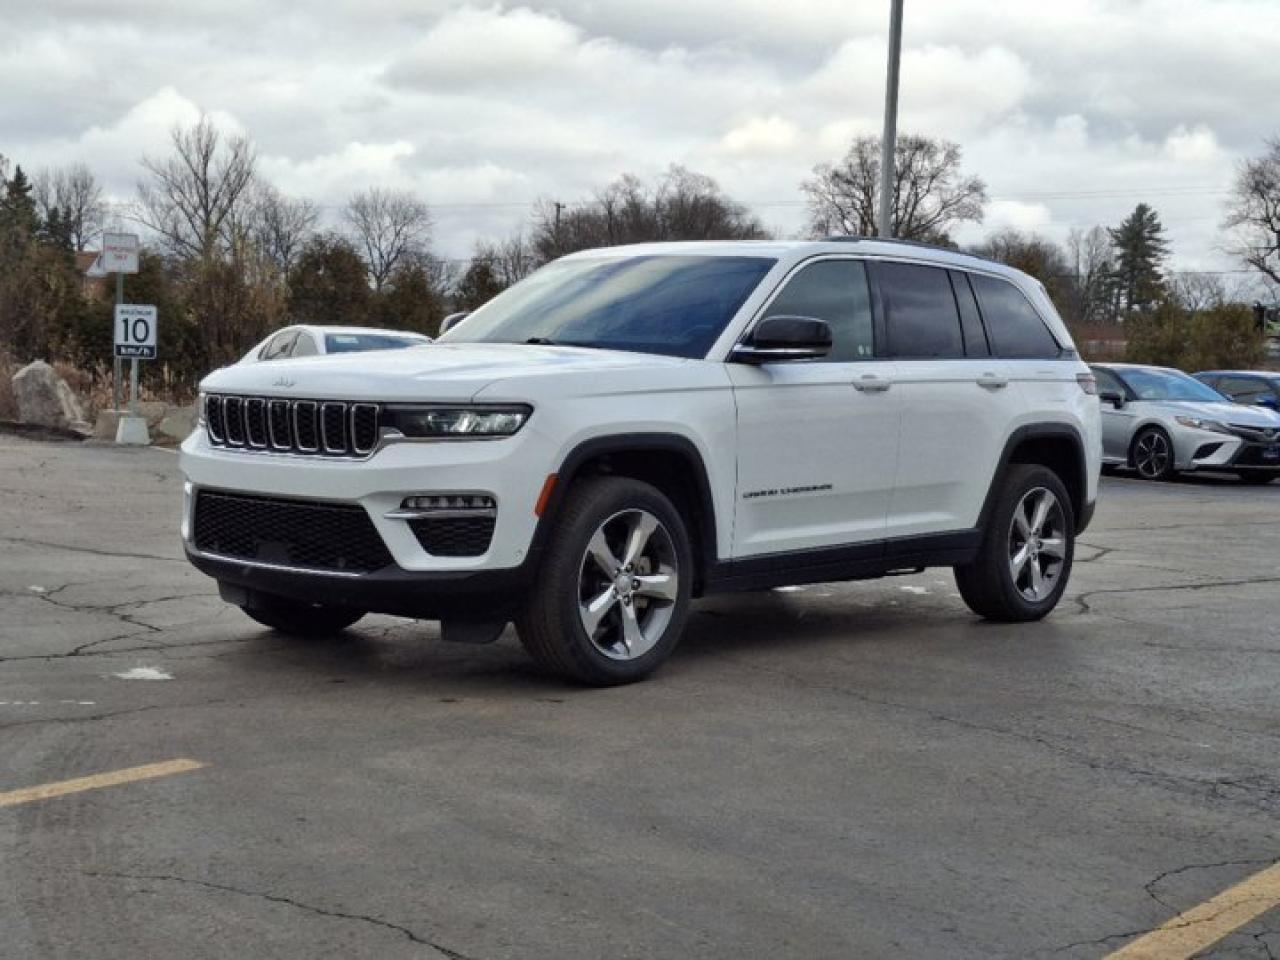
672	305
358	342
1169	385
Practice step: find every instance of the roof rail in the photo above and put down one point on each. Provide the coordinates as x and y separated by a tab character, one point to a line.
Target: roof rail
853	238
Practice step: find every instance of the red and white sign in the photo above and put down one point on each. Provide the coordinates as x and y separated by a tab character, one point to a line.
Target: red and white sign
119	253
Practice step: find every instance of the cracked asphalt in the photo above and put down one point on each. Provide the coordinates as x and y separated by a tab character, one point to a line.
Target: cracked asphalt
858	770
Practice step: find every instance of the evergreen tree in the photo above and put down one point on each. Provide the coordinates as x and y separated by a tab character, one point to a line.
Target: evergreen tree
18	206
1140	249
478	285
409	300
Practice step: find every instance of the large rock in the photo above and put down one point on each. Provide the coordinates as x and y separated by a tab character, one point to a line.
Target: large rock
178	424
44	399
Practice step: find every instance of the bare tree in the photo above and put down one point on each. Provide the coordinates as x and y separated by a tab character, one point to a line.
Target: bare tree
1093	280
197	199
76	196
683	205
390	226
1253	212
281	226
931	195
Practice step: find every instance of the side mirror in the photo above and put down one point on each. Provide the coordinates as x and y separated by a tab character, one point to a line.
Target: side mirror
452	320
785	338
1270	403
1113	397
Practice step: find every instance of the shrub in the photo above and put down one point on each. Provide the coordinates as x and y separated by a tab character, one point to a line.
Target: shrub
1220	337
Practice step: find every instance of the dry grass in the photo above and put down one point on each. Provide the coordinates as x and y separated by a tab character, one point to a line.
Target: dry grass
91	386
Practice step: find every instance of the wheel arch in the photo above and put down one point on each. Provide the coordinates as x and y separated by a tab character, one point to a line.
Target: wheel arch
1149	425
669	461
1058	446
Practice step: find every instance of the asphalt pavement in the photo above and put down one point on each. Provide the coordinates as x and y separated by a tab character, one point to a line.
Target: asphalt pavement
854	770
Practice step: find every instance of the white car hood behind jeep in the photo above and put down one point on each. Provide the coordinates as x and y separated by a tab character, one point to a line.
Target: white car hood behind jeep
448	372
1224	412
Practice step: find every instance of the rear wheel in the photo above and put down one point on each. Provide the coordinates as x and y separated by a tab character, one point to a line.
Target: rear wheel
1152	454
300	618
1027	549
613	593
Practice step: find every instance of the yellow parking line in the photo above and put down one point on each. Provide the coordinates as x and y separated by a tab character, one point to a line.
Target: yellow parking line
111	779
1193	930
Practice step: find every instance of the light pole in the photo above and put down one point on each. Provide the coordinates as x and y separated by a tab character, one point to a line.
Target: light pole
889	141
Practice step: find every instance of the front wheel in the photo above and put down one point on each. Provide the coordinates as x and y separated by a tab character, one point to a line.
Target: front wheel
300	618
1027	549
1152	454
613	592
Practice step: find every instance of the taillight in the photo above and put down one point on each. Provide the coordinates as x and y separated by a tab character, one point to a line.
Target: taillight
1088	383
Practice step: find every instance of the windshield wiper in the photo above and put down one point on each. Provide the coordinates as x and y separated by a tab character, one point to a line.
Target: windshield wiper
542	342
548	342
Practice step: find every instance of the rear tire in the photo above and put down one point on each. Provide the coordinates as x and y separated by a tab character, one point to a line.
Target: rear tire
301	619
1152	454
1027	549
613	588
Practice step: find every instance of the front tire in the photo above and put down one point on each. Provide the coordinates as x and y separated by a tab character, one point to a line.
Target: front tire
1152	454
299	618
613	590
1027	549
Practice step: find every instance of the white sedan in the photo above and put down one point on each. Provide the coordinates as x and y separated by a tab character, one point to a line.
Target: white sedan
308	340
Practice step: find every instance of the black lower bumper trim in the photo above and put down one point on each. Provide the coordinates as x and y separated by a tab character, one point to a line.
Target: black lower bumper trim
463	595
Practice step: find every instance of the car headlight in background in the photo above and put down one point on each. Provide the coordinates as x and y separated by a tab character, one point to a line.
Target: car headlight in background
1198	424
455	422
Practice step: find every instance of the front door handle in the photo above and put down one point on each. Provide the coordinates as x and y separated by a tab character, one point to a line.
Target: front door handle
993	382
870	383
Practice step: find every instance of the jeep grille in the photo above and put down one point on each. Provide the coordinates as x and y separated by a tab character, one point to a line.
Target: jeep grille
326	428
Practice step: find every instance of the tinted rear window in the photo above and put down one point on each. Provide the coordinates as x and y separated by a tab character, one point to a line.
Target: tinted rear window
1015	328
920	311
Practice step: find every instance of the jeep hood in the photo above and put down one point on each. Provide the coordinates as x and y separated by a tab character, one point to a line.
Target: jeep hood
447	372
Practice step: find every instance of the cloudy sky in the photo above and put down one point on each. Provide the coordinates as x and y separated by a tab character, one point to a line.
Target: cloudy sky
1072	111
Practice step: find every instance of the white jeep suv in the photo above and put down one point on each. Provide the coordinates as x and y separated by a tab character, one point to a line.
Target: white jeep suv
629	429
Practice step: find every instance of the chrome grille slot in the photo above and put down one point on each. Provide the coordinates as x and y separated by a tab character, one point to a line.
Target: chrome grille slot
364	427
280	424
333	427
306	432
329	428
213	418
233	417
255	422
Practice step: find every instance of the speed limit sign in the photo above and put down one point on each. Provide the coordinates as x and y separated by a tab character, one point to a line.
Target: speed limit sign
135	332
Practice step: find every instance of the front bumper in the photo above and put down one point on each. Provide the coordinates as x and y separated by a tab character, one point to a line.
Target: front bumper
1209	450
456	595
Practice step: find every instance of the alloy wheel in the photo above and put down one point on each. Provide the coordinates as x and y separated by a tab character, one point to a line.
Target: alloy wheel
1151	455
628	584
1037	544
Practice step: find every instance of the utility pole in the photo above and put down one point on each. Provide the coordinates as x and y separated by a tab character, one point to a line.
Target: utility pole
889	142
115	377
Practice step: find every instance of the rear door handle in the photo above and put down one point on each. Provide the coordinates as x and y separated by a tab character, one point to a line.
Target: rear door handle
870	383
993	382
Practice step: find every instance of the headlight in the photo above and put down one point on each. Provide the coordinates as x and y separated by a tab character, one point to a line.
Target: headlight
444	422
1199	424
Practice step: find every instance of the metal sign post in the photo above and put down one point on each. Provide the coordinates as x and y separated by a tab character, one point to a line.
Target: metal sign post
120	256
136	330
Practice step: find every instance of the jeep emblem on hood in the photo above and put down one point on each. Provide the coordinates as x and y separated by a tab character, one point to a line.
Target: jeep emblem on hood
284	382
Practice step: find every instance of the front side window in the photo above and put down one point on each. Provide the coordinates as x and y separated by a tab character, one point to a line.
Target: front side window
1017	332
1108	382
920	311
673	305
835	291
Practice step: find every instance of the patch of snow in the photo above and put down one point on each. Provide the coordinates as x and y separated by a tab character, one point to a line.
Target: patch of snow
143	673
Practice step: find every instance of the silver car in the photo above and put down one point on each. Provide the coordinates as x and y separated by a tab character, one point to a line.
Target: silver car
1162	422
